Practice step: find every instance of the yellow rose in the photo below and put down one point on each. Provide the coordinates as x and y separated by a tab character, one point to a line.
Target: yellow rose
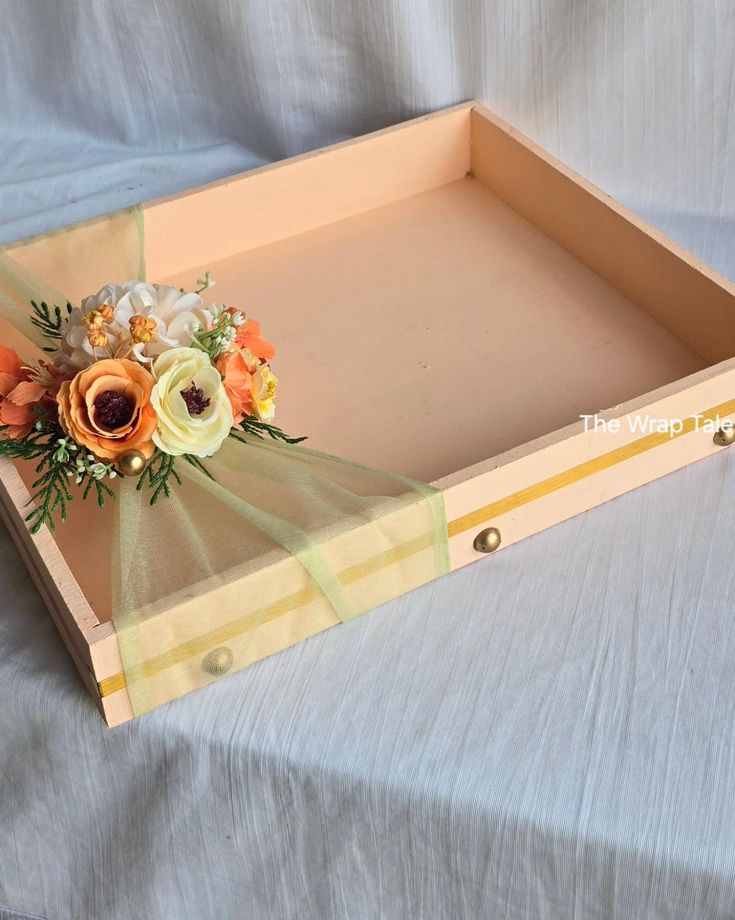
265	384
190	401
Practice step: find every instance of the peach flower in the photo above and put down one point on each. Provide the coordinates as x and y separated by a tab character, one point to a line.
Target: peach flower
248	336
107	408
237	368
19	395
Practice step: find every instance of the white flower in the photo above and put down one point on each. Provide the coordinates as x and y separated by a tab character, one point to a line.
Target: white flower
76	351
177	316
265	384
131	320
189	398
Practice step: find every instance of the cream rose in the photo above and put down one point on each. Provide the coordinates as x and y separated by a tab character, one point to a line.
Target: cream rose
193	409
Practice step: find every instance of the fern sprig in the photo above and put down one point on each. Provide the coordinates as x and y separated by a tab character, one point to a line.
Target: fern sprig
50	320
253	425
51	496
158	476
198	465
59	465
102	490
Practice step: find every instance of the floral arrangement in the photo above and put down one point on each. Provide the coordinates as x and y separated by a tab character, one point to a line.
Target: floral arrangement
139	378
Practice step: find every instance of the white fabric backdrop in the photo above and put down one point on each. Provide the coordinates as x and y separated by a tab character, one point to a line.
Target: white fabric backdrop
550	733
108	102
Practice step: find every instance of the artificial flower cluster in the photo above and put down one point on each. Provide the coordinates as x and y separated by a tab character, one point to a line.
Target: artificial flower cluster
137	377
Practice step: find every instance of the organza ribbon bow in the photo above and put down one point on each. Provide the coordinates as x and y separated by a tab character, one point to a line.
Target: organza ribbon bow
282	542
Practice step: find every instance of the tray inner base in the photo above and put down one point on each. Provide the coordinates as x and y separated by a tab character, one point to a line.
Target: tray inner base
439	330
421	337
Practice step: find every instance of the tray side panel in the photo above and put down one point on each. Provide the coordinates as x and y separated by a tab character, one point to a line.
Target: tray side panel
284	199
674	287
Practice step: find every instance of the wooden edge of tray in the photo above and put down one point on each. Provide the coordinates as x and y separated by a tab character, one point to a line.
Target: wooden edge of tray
92	645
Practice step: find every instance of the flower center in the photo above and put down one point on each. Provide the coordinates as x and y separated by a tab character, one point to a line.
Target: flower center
113	410
196	401
142	329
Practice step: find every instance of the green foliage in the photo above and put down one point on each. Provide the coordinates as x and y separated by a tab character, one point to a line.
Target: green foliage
61	464
252	425
101	489
50	320
198	465
51	495
216	340
58	467
158	476
161	474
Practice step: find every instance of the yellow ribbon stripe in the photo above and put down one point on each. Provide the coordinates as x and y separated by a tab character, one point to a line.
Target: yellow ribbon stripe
457	526
584	470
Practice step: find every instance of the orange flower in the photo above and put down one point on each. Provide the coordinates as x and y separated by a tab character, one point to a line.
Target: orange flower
237	376
19	395
248	336
107	408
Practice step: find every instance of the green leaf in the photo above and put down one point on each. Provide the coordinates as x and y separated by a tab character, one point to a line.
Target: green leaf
253	425
49	320
157	476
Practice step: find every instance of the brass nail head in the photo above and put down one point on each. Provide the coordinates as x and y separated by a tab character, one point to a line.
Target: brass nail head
132	463
218	661
725	436
488	540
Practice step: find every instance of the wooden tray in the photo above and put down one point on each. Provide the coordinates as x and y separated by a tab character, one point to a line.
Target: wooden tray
447	300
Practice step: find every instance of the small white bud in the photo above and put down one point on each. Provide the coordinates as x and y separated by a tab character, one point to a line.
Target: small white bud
206	281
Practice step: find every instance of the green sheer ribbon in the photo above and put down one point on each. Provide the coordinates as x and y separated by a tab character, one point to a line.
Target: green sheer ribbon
282	542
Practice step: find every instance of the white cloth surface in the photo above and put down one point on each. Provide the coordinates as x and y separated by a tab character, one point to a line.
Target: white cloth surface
549	733
107	104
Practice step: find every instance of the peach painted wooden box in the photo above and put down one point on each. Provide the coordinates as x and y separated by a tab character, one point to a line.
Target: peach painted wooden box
447	300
